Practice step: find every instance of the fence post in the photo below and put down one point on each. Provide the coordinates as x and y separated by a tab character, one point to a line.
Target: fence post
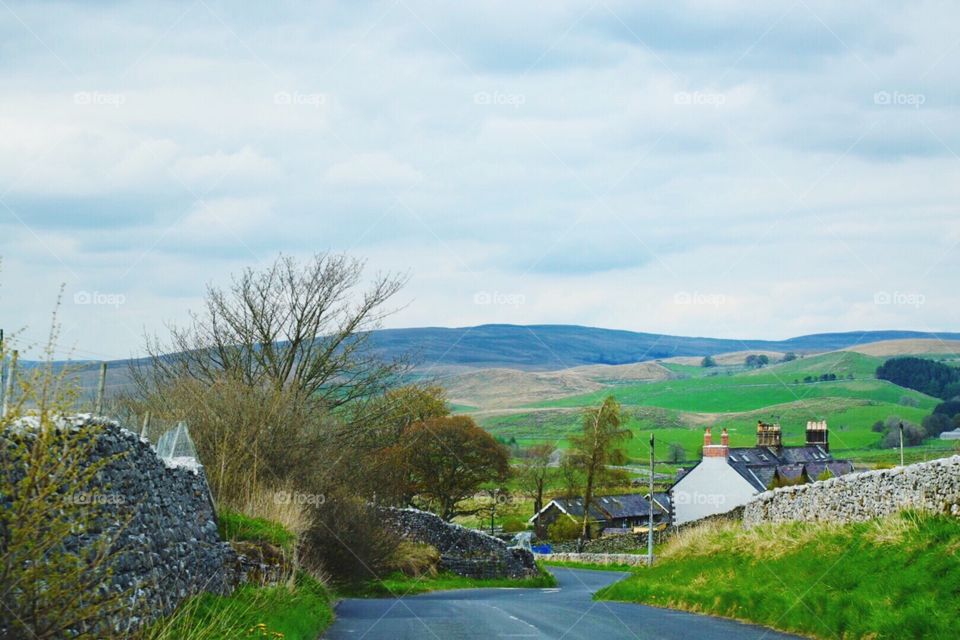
8	386
146	425
101	387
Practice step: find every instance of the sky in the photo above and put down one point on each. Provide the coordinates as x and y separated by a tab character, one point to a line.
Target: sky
724	169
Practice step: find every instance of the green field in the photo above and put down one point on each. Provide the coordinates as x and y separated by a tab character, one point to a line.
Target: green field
733	397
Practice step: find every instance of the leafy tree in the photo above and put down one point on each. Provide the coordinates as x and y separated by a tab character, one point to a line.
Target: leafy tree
926	376
936	423
949	408
597	447
789	356
755	361
676	452
449	459
912	434
708	361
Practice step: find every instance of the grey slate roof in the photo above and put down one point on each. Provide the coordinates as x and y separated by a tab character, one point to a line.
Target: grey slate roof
759	465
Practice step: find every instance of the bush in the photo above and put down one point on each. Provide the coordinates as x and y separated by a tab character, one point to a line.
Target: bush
514	525
348	541
564	529
912	435
937	423
909	401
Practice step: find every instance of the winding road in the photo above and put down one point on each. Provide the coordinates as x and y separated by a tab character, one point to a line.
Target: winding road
567	612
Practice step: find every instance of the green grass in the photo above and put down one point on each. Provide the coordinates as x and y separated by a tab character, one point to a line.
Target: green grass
237	526
399	585
893	578
300	613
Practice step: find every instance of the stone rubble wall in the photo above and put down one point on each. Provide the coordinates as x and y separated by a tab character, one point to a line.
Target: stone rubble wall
463	551
161	520
632	559
927	486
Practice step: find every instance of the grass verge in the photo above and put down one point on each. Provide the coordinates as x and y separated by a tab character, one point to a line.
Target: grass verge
238	526
895	577
399	584
300	612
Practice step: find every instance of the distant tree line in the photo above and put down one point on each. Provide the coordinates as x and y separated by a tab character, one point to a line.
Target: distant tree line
926	376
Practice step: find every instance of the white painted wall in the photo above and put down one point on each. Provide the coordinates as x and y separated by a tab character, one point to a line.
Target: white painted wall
709	488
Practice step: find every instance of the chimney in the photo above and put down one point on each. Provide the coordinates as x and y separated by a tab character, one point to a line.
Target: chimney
711	450
818	435
768	435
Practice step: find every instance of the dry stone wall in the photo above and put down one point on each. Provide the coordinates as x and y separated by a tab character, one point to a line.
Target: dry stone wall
463	551
161	520
928	486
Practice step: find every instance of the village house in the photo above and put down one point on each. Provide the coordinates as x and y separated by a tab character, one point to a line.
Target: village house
729	477
628	513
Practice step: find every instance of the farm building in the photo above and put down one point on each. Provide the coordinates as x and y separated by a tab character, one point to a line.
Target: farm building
729	477
950	435
629	513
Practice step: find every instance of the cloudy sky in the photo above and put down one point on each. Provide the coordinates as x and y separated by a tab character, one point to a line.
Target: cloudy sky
731	169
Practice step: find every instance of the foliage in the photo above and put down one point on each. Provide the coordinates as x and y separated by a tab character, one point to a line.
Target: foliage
936	423
398	585
912	433
293	612
789	356
907	562
949	408
676	453
448	460
926	376
348	540
248	437
291	326
708	362
563	529
755	361
597	448
50	588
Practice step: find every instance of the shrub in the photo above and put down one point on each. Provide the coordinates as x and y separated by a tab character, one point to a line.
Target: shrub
563	529
348	541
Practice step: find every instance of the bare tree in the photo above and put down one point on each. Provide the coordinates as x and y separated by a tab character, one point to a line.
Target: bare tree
533	474
292	326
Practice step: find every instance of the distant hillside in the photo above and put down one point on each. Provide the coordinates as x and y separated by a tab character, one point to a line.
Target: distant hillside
552	347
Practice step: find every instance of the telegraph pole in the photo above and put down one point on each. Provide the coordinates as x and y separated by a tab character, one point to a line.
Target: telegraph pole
101	388
8	384
650	521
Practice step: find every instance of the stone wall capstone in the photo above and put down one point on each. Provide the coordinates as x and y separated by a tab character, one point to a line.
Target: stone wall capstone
161	521
463	551
927	486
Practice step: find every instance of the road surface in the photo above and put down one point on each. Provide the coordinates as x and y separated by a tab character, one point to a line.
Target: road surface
568	612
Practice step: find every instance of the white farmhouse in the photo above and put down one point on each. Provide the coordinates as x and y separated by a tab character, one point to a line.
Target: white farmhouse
726	478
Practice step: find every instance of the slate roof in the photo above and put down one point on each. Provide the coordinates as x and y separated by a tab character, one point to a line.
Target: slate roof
606	508
759	465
